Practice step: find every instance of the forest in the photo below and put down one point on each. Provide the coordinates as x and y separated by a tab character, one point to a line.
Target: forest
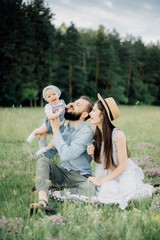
34	53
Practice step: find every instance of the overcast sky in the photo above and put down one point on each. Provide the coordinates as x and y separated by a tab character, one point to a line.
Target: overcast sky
133	17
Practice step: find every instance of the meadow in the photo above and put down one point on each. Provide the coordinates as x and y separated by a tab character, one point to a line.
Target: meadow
76	220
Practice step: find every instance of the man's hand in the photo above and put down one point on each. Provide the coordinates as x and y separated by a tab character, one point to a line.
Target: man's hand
56	124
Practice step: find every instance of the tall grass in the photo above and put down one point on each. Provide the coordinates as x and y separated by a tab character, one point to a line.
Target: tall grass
141	220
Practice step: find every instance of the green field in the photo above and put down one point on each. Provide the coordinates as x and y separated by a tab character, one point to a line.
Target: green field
141	220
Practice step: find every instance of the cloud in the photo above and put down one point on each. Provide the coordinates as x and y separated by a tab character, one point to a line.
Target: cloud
109	3
137	18
148	6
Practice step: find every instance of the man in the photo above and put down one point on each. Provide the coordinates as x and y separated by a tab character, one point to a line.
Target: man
71	146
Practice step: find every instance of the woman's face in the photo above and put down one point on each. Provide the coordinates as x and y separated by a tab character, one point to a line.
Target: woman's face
96	116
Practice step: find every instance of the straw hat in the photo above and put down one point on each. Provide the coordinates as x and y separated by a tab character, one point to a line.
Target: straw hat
110	106
56	89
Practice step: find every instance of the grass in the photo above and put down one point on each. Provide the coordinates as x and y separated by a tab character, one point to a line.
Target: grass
141	220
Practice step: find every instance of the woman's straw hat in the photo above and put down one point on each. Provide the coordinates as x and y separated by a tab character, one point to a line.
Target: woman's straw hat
110	106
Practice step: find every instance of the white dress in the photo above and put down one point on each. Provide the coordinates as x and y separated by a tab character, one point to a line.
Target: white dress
127	186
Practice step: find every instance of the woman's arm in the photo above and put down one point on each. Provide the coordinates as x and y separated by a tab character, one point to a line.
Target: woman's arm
120	141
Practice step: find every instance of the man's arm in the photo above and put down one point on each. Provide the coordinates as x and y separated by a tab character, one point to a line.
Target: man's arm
77	146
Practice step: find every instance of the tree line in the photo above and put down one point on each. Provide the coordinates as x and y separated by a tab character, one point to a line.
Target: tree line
34	53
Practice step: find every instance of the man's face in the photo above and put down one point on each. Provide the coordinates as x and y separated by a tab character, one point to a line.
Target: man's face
74	110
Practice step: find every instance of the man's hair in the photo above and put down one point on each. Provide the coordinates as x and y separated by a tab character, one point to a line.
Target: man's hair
89	106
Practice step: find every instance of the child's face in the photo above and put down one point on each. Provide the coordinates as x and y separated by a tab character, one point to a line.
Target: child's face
51	96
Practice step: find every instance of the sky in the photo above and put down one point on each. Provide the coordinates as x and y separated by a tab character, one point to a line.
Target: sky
139	18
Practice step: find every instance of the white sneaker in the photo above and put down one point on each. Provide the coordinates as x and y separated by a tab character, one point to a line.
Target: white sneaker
41	151
31	137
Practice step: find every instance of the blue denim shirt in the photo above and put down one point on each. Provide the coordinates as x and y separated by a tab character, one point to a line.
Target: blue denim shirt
71	146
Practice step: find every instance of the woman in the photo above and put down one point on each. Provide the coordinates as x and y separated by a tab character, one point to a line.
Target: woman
117	178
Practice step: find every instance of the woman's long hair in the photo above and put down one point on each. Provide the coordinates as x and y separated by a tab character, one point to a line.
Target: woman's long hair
107	128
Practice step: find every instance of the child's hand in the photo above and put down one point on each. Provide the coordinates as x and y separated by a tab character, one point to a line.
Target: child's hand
59	111
69	106
90	149
57	114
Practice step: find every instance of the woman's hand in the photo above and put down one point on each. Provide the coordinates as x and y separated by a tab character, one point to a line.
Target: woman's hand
90	149
95	181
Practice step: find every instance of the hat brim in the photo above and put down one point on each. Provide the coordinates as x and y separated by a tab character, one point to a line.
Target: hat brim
105	105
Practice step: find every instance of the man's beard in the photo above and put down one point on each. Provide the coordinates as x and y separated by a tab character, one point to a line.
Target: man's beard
72	116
